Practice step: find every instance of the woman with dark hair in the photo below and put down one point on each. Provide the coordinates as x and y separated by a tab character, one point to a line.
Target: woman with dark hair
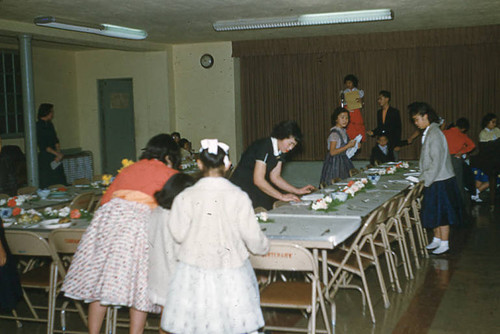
259	171
356	125
50	169
110	266
337	164
441	205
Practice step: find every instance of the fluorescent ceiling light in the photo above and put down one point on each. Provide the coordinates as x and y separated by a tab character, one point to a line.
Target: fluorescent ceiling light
304	20
98	29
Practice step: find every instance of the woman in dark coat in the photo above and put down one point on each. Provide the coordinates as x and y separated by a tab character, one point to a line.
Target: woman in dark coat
49	150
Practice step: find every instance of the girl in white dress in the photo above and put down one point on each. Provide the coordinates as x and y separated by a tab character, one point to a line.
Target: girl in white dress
214	289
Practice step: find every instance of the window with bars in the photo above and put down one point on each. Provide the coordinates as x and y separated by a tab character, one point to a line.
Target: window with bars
11	95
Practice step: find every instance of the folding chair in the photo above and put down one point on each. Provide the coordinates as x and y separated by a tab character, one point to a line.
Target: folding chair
65	243
24	243
56	186
83	201
81	181
4	196
395	232
404	212
299	295
353	172
414	218
26	190
349	261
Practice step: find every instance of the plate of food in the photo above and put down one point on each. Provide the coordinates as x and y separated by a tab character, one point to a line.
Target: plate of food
56	223
8	221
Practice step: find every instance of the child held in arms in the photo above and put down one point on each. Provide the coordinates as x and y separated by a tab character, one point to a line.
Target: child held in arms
380	152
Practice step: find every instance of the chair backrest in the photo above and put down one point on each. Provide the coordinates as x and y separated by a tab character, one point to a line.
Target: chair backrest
66	240
4	196
81	181
353	172
56	186
277	204
259	209
26	190
82	201
25	243
285	257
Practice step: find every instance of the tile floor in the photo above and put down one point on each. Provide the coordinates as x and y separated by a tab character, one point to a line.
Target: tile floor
455	293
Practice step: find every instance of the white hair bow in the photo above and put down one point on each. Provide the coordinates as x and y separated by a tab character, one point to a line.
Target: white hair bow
212	145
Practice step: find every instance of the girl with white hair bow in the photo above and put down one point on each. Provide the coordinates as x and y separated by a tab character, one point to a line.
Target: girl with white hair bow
214	289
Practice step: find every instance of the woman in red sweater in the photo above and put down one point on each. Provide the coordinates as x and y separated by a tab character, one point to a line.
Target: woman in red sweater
110	266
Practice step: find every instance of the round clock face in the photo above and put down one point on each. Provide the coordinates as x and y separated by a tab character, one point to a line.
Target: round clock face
207	60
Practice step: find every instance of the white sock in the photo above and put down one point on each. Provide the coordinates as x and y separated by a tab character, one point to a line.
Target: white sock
477	192
436	242
443	247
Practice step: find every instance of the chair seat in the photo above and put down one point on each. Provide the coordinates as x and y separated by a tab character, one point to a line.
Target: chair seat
336	257
296	294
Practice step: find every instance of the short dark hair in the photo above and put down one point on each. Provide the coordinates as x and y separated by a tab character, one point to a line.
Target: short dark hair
175	184
162	146
422	108
44	109
385	93
487	118
210	160
336	113
463	123
183	142
287	129
382	135
352	78
176	134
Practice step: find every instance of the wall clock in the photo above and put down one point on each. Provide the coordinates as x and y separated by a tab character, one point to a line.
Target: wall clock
207	60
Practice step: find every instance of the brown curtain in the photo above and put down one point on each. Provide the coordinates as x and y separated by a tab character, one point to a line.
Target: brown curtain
457	71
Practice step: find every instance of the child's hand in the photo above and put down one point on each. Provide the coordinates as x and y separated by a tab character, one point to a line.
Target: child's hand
351	143
369	133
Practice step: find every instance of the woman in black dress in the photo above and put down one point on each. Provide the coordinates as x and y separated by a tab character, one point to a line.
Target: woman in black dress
259	171
49	150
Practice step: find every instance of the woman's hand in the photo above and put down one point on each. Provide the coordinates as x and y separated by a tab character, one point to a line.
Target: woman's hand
369	133
289	198
59	156
306	190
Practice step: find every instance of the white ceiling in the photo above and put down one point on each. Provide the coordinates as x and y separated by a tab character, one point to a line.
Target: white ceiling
190	21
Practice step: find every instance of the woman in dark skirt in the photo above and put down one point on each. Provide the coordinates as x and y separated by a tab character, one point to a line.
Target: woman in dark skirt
10	288
50	150
441	206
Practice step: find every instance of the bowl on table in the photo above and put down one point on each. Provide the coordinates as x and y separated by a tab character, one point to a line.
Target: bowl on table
373	178
43	193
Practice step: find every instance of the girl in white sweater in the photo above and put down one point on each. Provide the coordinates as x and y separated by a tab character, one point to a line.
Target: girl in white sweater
214	289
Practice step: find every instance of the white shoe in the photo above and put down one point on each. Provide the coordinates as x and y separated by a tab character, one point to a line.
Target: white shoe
476	199
434	244
443	248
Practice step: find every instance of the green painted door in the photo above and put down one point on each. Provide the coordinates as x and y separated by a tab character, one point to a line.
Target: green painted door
116	108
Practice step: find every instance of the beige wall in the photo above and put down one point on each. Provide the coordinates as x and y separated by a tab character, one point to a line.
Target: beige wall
54	79
148	71
204	99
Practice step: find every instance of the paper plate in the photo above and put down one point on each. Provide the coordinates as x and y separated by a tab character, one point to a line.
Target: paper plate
8	221
54	223
312	197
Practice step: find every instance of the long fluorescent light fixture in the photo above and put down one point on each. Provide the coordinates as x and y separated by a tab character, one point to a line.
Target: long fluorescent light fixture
304	20
98	29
